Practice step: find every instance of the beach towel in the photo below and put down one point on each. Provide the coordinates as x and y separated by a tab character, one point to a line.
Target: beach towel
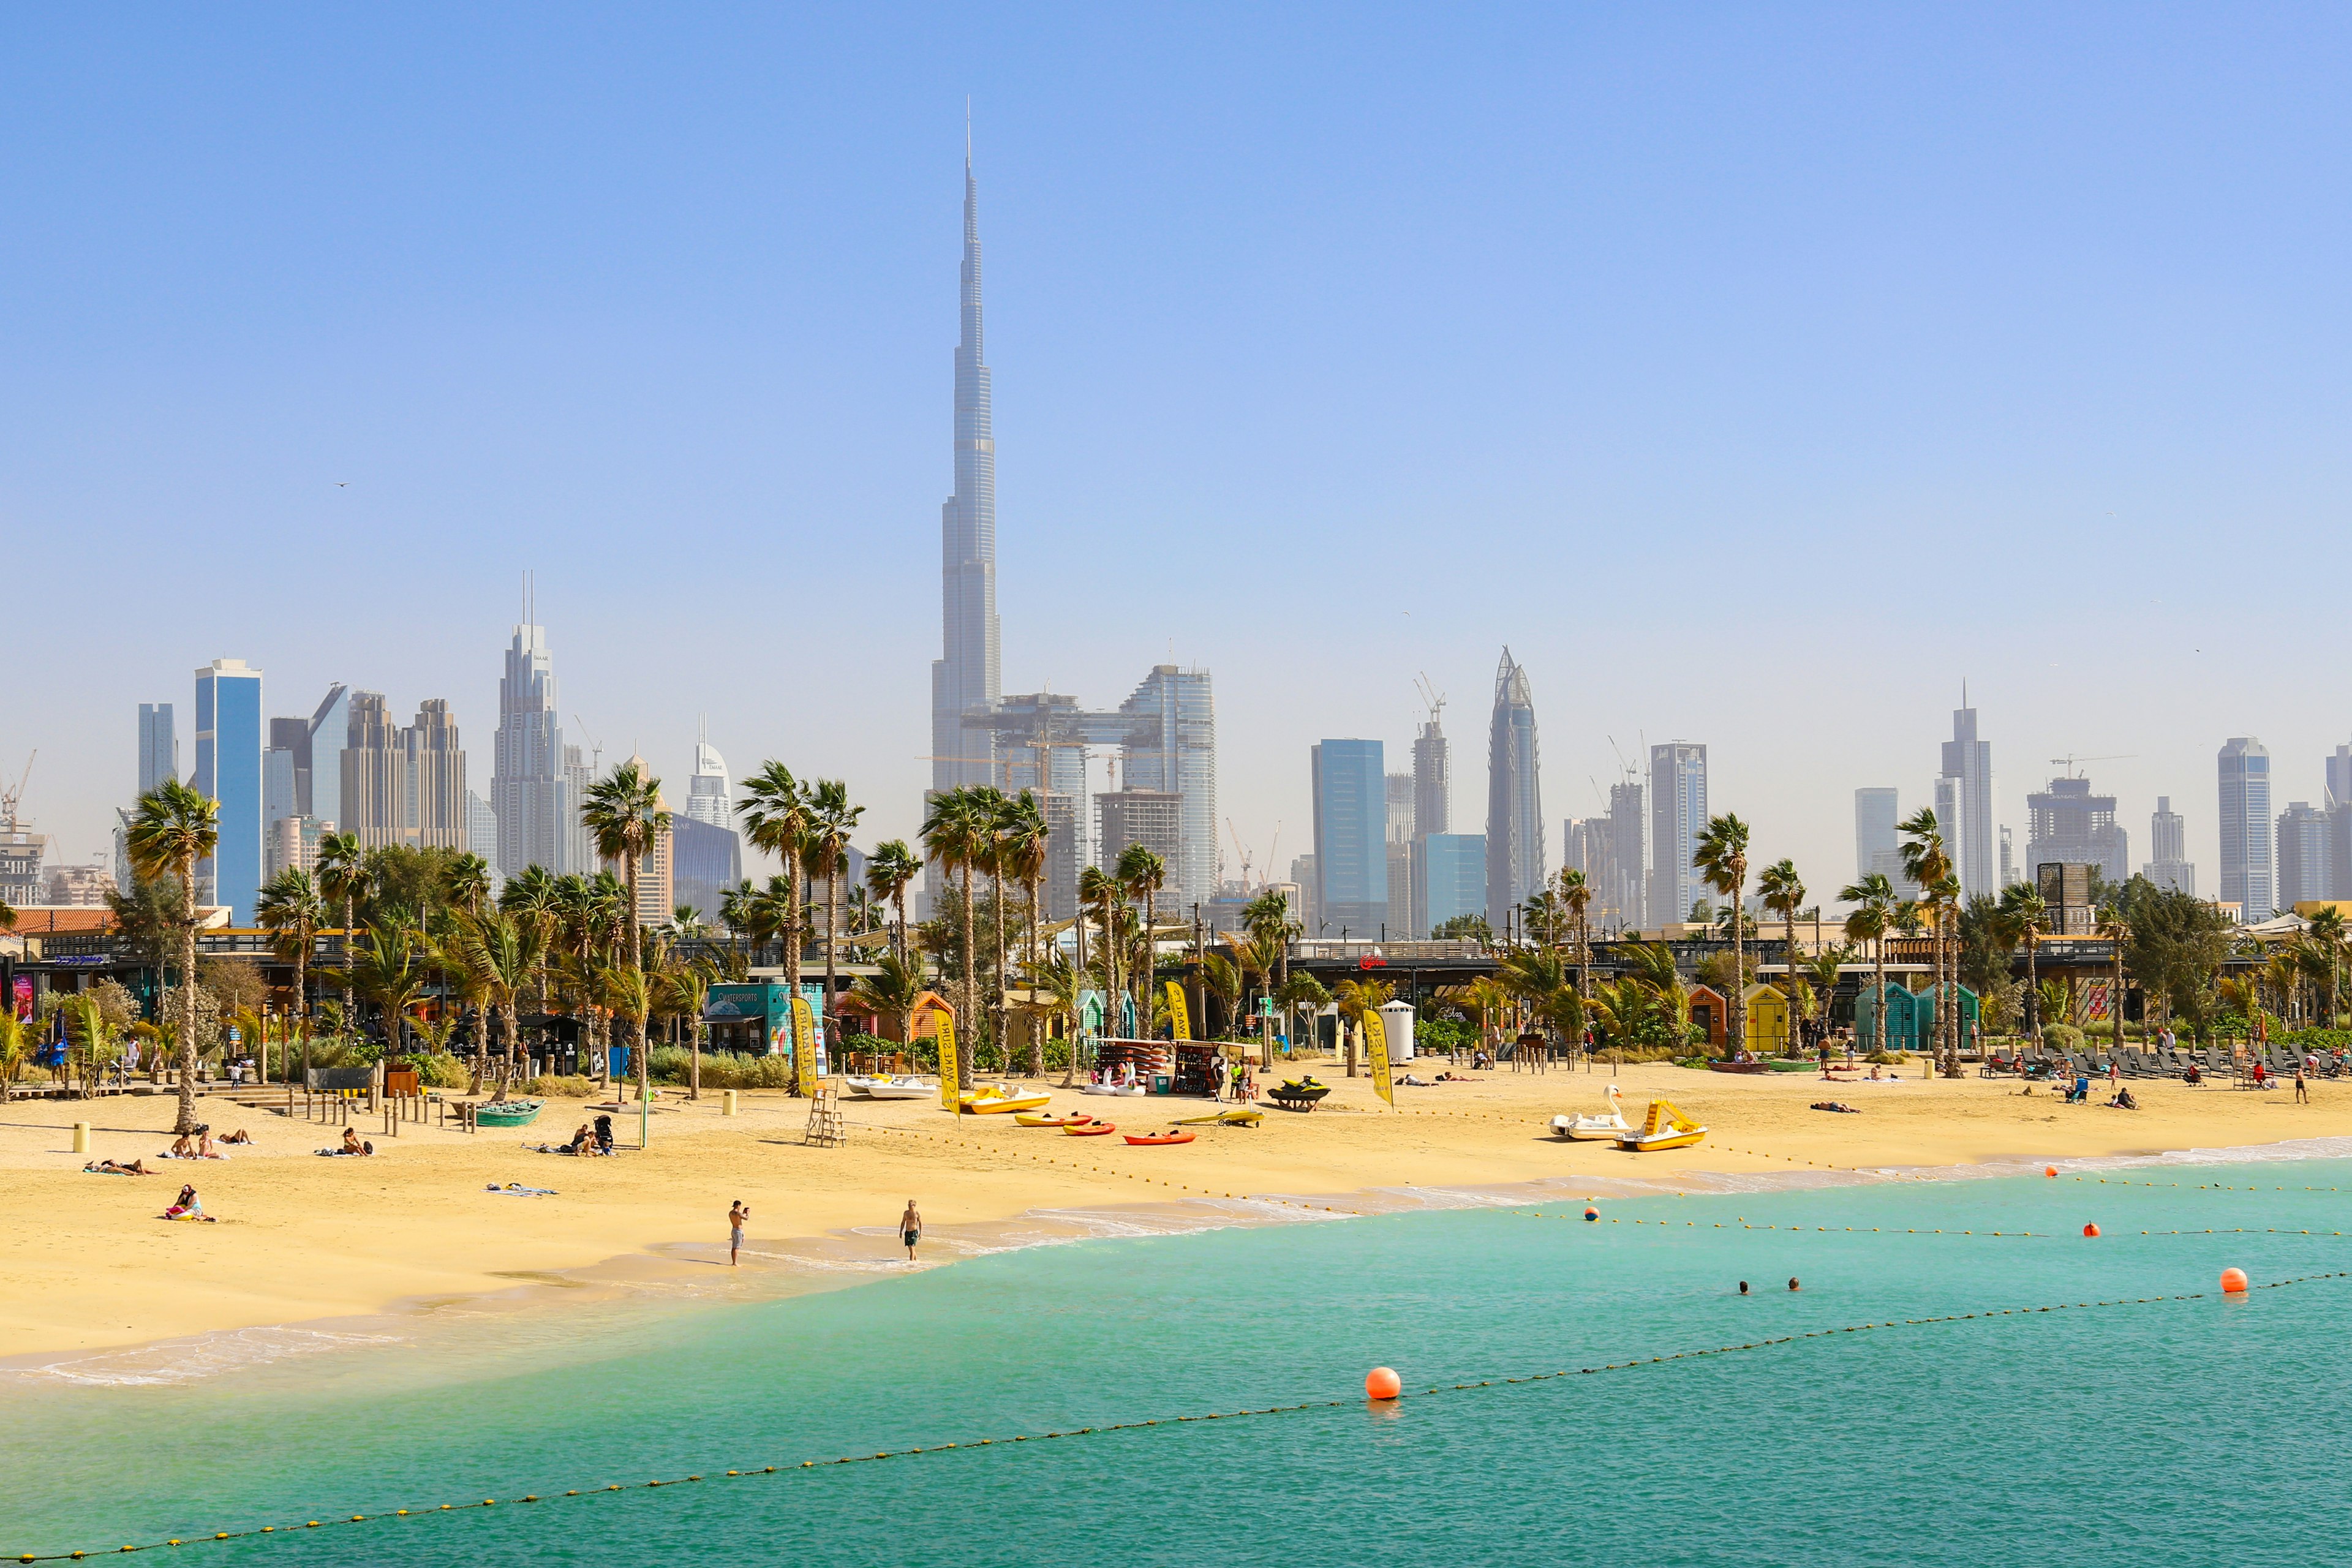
516	1189
339	1153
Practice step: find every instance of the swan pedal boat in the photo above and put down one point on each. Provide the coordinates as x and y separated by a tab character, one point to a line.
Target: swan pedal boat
1118	1089
1030	1118
998	1103
1664	1128
1594	1129
1090	1128
892	1088
1174	1135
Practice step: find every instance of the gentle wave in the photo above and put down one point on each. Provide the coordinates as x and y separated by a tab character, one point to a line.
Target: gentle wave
196	1356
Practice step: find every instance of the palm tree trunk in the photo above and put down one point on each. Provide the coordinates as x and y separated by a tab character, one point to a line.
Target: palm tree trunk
832	922
347	974
187	1118
2034	984
1079	994
970	989
1878	957
694	1063
1037	1032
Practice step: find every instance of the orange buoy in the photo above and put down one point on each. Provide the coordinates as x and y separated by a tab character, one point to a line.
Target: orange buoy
2048	1170
2233	1281
2090	1230
1382	1382
1593	1214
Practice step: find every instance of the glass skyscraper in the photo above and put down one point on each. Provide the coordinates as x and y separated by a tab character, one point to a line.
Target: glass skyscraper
1964	794
967	674
532	789
229	768
1449	879
1677	817
2246	868
1514	829
1179	757
1351	816
159	745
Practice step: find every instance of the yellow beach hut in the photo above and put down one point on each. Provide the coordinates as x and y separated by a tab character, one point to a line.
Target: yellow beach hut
1768	1019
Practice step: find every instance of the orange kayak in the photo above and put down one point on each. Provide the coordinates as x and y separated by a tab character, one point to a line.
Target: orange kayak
1082	1128
1176	1136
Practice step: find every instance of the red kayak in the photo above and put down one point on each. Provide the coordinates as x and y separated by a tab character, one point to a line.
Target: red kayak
1090	1128
1175	1135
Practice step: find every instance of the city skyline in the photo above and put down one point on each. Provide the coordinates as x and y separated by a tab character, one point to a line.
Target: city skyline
741	329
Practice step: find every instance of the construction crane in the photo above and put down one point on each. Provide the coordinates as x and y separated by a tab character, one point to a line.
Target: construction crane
595	748
2068	762
1430	697
11	794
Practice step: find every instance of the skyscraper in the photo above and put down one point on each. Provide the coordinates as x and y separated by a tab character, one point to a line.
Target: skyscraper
531	787
1171	746
1449	879
1875	813
1351	837
2167	842
1401	900
1514	829
709	797
159	747
404	786
2305	869
228	769
1433	803
2339	778
1677	817
1964	793
1609	851
2068	825
967	674
2245	802
330	728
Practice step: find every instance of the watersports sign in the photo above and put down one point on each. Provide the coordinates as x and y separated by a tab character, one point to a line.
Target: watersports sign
1376	1037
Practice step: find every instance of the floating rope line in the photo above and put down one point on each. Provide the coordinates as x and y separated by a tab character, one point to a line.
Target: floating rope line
1878	1230
2197	1187
1637	1362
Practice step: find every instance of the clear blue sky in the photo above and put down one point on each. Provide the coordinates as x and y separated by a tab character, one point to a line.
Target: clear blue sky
1757	375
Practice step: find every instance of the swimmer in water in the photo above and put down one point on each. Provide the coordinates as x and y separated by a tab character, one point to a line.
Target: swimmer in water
1792	1282
1743	1287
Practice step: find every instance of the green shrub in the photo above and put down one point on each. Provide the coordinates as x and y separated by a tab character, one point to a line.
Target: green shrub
2061	1037
721	1069
439	1070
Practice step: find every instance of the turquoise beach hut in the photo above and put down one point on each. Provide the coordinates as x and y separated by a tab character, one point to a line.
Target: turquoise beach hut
1904	1011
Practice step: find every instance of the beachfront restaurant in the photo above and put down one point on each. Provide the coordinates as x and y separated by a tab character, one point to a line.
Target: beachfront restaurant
755	1019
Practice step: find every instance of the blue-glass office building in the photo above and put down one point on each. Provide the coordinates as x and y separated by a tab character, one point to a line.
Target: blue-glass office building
229	733
1352	819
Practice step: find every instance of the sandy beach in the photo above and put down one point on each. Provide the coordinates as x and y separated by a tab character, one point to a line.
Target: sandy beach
89	1265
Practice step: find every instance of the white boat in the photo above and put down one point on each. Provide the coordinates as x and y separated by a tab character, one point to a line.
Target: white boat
1594	1129
1118	1089
893	1088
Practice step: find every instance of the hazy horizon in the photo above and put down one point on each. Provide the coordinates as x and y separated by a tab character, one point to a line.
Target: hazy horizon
1756	378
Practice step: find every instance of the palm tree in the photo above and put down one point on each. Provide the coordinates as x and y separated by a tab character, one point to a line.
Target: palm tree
290	910
2326	931
1576	895
955	836
466	883
1301	993
896	990
1144	874
622	812
1784	895
824	852
342	873
686	991
391	976
1487	997
1719	854
1356	998
2114	924
1873	903
1927	865
776	818
890	870
629	997
503	952
1824	969
2019	918
536	895
1021	844
1100	892
172	829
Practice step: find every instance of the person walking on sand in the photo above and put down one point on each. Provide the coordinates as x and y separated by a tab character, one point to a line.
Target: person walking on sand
2301	1084
910	1229
736	1217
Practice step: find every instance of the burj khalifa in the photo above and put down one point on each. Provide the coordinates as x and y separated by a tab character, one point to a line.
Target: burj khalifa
967	675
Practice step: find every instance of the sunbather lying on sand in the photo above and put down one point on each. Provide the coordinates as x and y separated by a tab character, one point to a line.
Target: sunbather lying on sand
1834	1105
110	1168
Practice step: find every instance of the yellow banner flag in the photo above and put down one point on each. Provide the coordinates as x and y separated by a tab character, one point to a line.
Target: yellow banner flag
950	1072
803	1046
1178	1017
1376	1041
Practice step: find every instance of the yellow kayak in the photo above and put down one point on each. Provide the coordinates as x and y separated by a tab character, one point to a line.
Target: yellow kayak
977	1104
1031	1119
1225	1119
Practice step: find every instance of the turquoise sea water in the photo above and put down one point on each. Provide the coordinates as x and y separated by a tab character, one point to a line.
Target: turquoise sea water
2180	1432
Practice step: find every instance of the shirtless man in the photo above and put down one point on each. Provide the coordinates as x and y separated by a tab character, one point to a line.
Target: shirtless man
910	1229
736	1218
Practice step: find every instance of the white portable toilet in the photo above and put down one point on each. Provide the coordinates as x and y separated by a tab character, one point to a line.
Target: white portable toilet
1396	1023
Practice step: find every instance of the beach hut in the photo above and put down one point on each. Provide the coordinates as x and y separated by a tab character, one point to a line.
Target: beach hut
1964	1002
1768	1019
1711	1013
1903	1014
